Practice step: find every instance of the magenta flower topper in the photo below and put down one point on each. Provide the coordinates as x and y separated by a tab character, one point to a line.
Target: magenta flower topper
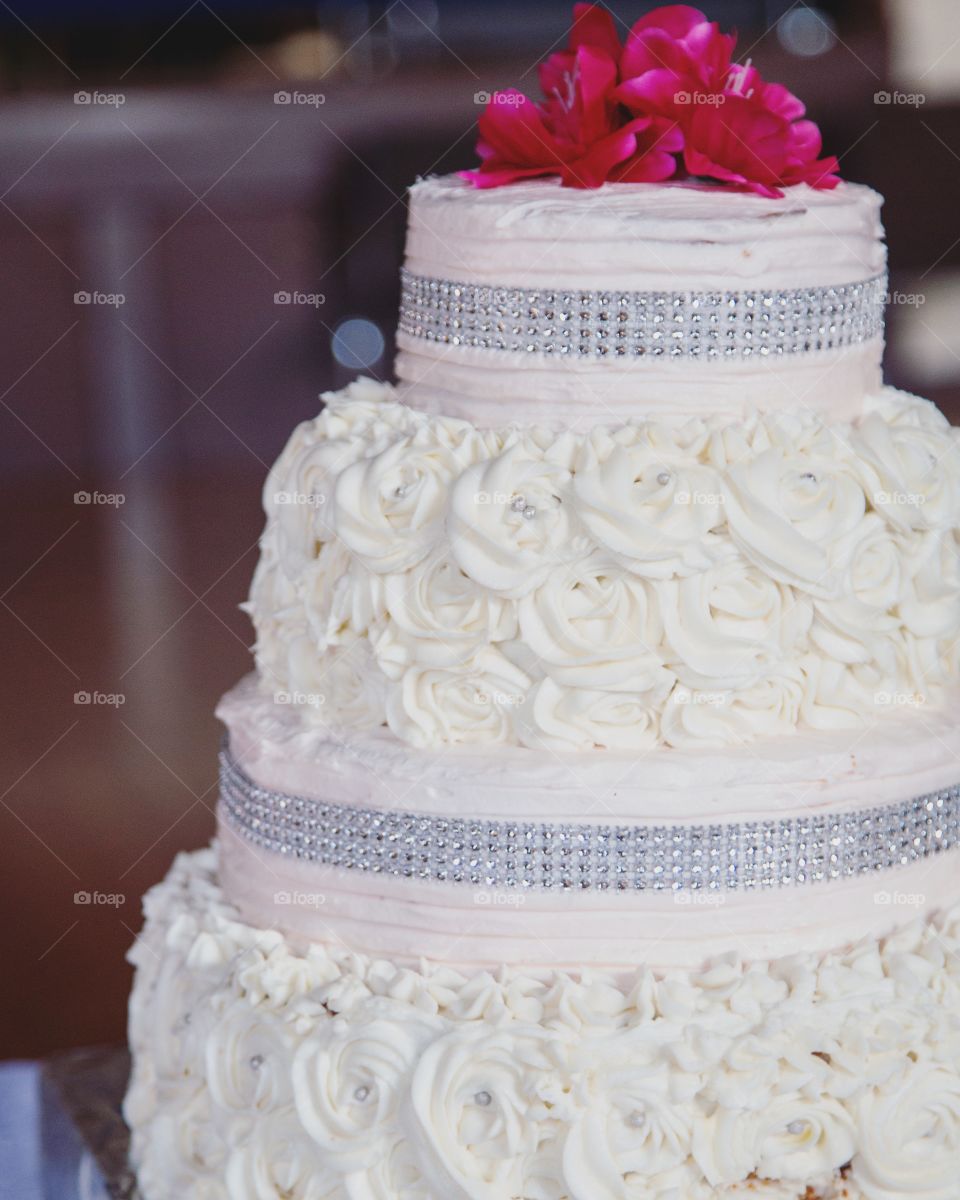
669	104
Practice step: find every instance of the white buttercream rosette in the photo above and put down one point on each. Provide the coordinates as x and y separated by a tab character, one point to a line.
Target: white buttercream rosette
390	506
298	492
350	1082
440	617
908	1135
656	511
592	623
910	470
689	583
785	508
635	1119
726	1082
473	1109
511	519
474	702
247	1062
557	717
789	1137
274	1159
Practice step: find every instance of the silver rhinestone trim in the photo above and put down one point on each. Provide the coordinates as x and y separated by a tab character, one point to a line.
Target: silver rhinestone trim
517	854
646	325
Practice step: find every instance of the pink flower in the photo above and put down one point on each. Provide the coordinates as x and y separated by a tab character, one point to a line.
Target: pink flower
753	138
671	54
669	102
579	131
736	128
592	26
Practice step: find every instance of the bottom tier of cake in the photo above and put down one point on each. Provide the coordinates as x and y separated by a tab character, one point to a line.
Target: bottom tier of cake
263	1070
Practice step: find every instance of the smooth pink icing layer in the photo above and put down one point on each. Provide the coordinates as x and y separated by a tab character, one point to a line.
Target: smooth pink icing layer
481	385
637	237
898	756
465	926
643	237
409	920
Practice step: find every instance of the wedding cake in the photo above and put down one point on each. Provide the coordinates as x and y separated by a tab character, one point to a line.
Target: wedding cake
588	828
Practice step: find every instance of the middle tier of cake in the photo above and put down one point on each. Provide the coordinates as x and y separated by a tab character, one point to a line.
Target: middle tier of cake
687	582
793	846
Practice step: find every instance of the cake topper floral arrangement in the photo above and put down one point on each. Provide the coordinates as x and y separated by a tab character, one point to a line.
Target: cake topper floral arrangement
668	104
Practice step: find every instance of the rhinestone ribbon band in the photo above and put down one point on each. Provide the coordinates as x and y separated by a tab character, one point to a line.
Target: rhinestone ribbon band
647	325
516	854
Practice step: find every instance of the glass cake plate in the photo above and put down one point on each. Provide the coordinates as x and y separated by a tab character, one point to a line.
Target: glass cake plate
84	1139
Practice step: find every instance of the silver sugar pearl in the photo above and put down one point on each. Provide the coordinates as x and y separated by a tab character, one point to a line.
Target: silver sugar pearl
256	1061
529	513
808	477
483	1099
636	1119
401	490
518	504
797	1128
361	1093
663	478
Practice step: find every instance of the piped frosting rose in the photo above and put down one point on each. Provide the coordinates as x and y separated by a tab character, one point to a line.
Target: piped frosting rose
785	509
439	617
471	1099
654	512
557	717
593	624
390	506
351	1078
511	519
908	1135
474	702
790	1137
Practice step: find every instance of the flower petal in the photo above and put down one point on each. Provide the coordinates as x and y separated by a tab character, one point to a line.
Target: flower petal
674	19
594	167
593	26
654	91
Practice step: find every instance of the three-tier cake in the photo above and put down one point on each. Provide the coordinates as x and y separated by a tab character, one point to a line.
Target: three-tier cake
588	828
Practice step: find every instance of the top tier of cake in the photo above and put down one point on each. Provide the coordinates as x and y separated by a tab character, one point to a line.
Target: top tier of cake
607	303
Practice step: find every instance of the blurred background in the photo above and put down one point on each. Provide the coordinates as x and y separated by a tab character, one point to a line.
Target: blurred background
201	221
